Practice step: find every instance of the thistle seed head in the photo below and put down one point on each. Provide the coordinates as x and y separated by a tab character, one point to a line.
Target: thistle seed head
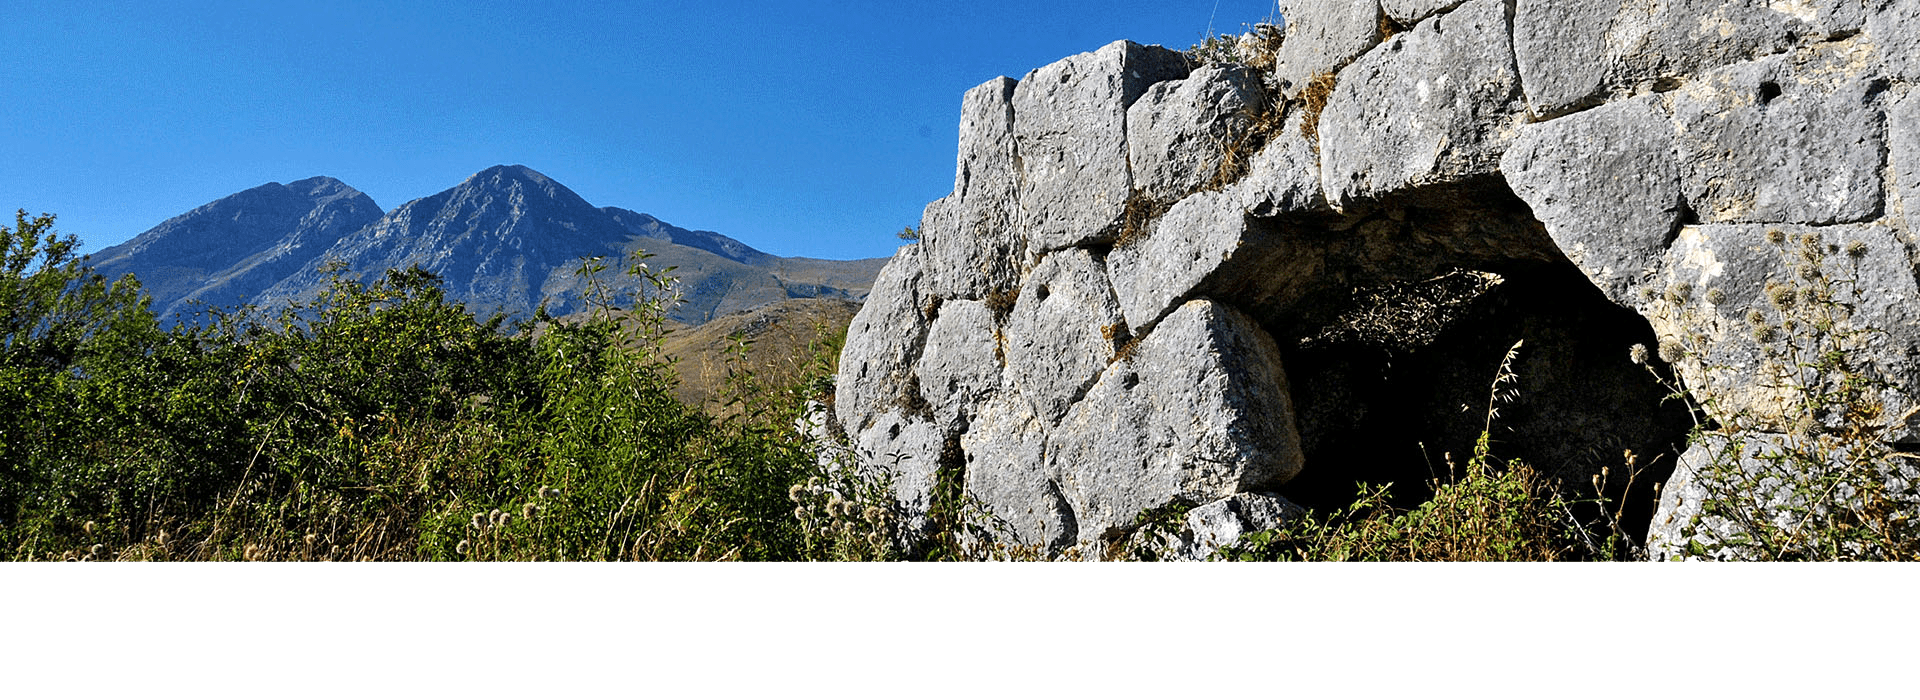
1780	295
1671	350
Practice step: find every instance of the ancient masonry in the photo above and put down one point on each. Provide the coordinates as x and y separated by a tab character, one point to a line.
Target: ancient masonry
1229	285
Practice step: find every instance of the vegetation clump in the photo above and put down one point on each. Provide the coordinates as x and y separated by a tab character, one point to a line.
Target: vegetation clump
377	421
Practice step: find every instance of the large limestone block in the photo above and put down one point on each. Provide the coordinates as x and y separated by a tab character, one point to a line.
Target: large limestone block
1322	36
883	342
1284	177
1572	54
1070	130
1064	329
971	238
1434	105
1895	29
903	450
1200	410
1788	139
1715	276
1179	133
1206	245
1021	509
1778	484
960	360
1606	183
1410	12
1903	154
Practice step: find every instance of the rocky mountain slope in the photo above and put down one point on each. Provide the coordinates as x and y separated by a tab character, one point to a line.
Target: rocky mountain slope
1222	287
227	251
504	240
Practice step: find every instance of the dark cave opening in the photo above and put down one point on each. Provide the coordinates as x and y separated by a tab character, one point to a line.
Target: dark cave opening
1391	374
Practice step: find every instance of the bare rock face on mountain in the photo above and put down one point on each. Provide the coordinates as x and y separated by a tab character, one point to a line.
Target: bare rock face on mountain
505	241
1590	199
226	252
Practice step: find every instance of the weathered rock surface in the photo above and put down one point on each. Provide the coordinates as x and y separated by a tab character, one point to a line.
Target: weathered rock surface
1180	130
1895	27
1434	105
1323	36
1904	156
1572	55
1215	525
1071	137
876	364
1722	282
1410	12
1284	177
1063	330
959	363
969	236
1198	411
1021	507
1767	142
1576	184
1606	182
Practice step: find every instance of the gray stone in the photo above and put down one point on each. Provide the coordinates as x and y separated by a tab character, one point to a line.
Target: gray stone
1207	245
903	451
1179	133
960	360
1895	30
1784	139
1715	274
1212	526
1070	133
883	342
1200	410
1322	37
1063	330
1606	184
1573	54
1434	105
1284	177
970	237
1410	12
1903	155
1781	487
1021	510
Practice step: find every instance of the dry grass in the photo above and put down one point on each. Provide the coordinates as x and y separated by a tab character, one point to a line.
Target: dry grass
1315	96
781	335
1139	217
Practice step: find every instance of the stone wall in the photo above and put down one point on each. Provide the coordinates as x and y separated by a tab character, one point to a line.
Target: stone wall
1224	288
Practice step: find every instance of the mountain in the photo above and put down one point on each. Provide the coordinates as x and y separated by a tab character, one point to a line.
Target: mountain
228	251
506	239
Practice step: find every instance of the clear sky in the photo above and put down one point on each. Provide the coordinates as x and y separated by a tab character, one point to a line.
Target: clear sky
798	128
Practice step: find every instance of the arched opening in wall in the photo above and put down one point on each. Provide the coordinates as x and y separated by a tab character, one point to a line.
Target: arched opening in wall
1392	359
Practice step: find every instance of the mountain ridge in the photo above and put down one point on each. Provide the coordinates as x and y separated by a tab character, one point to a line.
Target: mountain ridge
505	239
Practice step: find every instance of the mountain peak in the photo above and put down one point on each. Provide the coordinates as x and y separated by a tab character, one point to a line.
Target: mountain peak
510	173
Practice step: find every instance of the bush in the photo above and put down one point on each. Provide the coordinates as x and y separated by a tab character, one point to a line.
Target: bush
377	421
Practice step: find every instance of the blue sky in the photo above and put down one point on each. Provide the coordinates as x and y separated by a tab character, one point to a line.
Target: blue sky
801	129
